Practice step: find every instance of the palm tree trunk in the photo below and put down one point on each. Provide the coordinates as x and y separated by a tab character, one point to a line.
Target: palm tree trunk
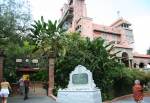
1	65
51	75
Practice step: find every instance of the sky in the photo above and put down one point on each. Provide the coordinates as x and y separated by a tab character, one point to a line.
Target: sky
104	12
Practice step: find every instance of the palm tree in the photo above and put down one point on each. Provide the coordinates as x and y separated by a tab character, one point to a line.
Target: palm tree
46	35
48	39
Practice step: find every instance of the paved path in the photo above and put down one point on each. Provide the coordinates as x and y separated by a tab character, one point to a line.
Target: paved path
130	100
45	99
33	99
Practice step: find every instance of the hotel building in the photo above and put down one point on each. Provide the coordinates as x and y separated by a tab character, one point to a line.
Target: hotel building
74	19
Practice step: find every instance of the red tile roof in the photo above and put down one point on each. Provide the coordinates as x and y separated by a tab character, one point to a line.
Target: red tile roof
123	46
140	55
120	21
107	29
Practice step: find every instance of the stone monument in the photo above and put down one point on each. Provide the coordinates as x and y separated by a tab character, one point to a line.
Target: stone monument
81	88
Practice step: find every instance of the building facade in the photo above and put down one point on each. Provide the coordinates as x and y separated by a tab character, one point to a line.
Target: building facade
74	19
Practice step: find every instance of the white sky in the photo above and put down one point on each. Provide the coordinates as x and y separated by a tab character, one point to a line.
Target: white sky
137	12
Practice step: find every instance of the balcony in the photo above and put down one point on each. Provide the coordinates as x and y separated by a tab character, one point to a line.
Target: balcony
70	1
67	12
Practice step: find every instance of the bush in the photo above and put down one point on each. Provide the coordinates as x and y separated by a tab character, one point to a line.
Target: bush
41	75
123	84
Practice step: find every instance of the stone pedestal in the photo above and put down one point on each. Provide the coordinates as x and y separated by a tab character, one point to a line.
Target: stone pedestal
81	88
79	96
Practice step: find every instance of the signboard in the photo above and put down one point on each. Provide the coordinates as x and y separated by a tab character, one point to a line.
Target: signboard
26	77
81	78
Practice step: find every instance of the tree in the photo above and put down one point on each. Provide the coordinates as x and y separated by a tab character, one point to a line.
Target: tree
14	20
13	52
47	36
18	13
14	23
71	50
96	55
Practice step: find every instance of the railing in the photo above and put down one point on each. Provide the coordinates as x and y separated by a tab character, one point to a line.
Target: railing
37	88
15	89
66	8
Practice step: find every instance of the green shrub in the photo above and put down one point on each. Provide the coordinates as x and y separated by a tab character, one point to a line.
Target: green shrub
41	75
123	84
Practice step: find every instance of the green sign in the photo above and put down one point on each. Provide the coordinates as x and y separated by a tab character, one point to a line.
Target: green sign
80	78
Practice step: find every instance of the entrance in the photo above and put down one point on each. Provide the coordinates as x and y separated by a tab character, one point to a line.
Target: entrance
125	59
141	65
37	88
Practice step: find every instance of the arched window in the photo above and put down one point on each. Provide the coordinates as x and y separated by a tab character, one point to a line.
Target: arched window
125	59
141	65
134	65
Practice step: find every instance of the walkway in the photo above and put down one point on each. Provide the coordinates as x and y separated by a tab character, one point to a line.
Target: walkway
130	100
33	99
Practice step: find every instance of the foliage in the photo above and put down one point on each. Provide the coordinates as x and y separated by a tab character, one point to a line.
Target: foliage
14	22
41	75
17	12
96	55
71	49
123	84
13	52
46	36
109	75
148	51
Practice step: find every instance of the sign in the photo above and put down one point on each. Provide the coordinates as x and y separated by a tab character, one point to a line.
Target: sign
80	78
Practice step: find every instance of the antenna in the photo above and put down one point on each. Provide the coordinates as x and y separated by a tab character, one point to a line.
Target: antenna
118	14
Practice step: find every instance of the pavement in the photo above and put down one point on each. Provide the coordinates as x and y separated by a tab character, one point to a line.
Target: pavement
32	99
130	100
46	99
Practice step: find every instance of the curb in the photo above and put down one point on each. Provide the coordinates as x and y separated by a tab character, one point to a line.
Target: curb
127	96
53	97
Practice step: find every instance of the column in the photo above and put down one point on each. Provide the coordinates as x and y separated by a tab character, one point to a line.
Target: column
130	63
1	65
51	75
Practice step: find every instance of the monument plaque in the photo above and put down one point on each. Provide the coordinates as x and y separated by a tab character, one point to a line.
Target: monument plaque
80	78
81	86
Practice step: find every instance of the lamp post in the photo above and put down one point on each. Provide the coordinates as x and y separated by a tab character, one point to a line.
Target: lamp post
51	73
1	64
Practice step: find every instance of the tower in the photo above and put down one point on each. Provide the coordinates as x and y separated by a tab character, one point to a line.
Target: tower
74	18
126	32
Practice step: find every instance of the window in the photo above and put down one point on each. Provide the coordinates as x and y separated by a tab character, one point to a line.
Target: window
78	28
104	36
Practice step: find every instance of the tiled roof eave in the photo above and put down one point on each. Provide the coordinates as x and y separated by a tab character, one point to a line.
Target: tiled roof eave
103	31
141	57
116	46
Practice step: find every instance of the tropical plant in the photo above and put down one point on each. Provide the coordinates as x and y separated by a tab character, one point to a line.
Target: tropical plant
14	21
46	36
95	54
13	52
71	50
